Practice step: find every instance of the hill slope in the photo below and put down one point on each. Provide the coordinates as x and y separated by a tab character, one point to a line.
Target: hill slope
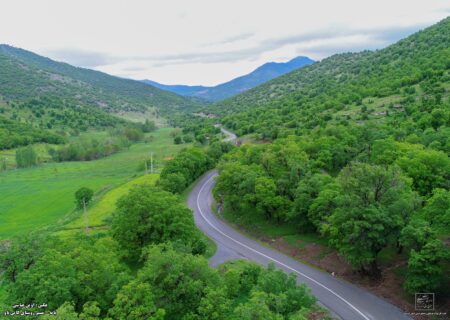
348	86
25	75
359	159
225	90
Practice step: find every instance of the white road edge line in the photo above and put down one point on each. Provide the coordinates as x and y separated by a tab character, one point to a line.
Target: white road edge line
270	258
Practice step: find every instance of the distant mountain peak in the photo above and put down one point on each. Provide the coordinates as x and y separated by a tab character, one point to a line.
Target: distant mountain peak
263	73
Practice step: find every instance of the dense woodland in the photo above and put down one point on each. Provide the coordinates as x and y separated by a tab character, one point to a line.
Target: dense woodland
359	155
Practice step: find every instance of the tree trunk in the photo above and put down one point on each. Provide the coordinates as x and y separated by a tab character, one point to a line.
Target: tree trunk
399	247
86	216
374	271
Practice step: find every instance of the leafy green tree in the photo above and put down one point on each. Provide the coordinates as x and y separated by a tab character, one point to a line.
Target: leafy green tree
187	138
178	140
306	193
59	273
91	311
286	162
20	255
429	169
426	267
136	301
439	117
173	182
236	186
217	149
148	215
78	271
133	134
384	152
300	315
416	234
215	305
190	163
178	281
26	157
83	197
268	203
240	278
148	126
100	274
374	204
232	278
437	210
256	308
284	296
324	205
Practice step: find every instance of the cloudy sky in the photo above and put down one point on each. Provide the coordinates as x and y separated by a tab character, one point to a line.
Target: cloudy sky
205	41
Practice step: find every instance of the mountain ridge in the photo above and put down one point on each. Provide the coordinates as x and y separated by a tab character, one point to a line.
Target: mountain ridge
26	75
263	73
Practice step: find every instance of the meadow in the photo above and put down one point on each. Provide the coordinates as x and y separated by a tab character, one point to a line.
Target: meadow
100	211
44	195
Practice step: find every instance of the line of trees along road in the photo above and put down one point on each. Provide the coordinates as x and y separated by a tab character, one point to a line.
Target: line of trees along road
190	164
362	194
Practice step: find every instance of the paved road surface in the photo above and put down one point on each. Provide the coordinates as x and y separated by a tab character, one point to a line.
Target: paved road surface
230	135
344	300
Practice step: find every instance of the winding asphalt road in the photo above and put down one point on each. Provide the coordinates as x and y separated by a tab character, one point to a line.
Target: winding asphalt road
344	300
230	135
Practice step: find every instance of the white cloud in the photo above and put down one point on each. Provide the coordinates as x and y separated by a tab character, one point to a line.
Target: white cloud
202	41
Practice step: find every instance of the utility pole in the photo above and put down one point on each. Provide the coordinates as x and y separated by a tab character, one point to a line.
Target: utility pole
146	170
151	162
85	216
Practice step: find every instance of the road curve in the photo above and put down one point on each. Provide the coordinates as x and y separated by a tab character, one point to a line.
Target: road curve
229	136
344	300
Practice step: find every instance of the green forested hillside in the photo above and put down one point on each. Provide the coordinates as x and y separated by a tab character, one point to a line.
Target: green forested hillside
53	112
48	119
39	96
25	75
13	133
407	83
359	156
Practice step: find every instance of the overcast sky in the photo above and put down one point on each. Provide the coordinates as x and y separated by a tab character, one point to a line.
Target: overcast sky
206	41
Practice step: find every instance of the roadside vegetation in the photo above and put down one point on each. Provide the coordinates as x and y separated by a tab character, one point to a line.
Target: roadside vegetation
190	164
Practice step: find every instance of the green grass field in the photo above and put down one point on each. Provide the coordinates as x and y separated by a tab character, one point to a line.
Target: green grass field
150	114
103	209
42	196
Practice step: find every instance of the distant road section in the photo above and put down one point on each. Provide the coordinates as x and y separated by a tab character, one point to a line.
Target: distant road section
230	136
344	300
